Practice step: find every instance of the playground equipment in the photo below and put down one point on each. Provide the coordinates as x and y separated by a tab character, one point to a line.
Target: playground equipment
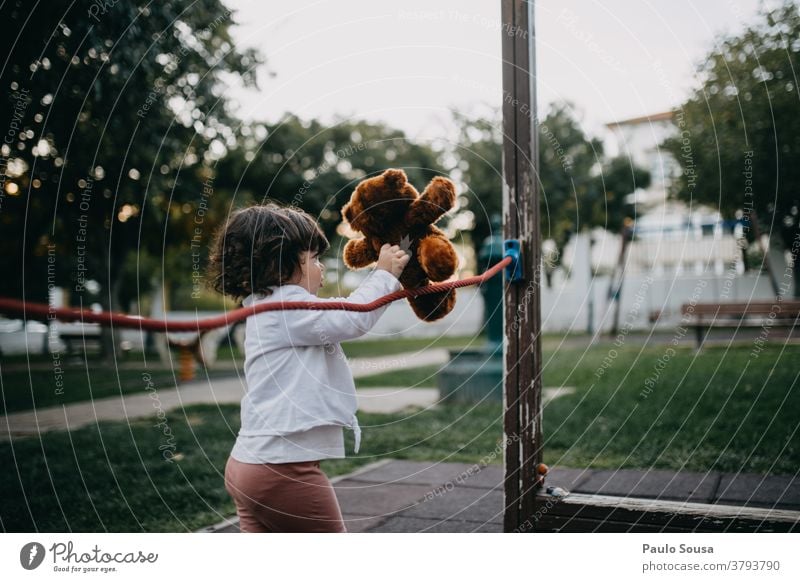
475	374
43	312
529	505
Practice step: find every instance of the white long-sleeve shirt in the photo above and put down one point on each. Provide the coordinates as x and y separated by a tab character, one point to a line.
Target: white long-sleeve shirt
300	389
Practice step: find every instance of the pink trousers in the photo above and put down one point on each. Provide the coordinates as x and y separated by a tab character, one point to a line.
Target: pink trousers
283	497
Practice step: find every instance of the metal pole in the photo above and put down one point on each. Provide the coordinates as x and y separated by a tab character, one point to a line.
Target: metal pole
590	303
522	348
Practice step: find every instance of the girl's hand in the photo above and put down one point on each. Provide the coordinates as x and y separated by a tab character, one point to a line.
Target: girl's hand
393	259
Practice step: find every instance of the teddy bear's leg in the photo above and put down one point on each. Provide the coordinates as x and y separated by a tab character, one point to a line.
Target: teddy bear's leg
358	254
437	198
433	306
437	257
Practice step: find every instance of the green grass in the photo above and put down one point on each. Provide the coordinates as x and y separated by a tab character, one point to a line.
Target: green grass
113	477
722	410
87	377
420	377
41	386
369	348
228	352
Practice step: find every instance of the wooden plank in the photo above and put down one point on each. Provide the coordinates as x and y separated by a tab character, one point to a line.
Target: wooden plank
522	354
728	323
550	523
730	315
510	383
529	298
578	512
563	524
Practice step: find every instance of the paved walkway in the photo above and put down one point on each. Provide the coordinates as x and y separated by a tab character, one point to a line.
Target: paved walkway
406	496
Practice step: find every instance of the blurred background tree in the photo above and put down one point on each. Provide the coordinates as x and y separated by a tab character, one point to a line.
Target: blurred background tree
316	166
739	132
312	166
580	188
118	115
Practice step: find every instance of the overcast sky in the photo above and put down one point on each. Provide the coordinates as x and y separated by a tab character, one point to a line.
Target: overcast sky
407	63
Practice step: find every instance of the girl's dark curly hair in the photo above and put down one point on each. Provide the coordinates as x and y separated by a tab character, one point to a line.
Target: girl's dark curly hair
259	247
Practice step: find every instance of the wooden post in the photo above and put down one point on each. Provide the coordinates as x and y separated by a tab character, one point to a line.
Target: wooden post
522	348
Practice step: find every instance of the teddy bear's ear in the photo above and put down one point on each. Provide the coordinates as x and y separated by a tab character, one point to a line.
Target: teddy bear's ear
349	214
395	177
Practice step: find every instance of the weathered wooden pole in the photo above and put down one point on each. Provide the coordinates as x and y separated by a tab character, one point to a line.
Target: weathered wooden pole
522	348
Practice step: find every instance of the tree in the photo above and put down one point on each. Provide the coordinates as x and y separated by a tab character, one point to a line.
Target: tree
303	163
116	116
568	160
738	136
316	166
579	188
617	179
477	165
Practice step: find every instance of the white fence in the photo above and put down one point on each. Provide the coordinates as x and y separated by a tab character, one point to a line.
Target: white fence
567	304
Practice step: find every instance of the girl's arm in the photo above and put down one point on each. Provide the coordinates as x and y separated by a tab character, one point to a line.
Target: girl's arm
312	328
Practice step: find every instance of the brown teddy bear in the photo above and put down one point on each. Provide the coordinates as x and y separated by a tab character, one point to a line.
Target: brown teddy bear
387	209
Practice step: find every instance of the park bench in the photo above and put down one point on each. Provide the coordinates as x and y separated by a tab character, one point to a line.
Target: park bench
80	334
735	315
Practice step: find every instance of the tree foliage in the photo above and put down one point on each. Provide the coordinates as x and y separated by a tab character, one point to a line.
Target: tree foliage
316	166
579	187
739	132
114	115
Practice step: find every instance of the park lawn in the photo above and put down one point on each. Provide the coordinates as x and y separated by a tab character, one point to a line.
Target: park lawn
391	347
229	352
115	477
82	379
42	385
723	410
89	377
374	348
419	377
730	413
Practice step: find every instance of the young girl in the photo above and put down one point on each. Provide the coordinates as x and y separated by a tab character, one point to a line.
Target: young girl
300	390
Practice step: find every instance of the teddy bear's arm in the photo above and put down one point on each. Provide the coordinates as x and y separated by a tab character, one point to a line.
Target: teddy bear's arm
437	257
358	253
437	199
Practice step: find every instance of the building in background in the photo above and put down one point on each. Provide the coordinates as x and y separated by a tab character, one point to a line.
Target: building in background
671	236
640	139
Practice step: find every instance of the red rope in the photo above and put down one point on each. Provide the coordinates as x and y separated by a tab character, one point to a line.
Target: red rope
43	312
